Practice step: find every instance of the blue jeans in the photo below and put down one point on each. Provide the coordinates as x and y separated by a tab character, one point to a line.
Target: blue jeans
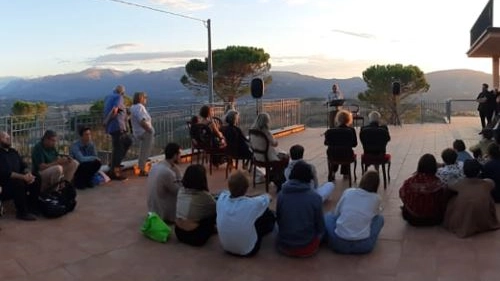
343	246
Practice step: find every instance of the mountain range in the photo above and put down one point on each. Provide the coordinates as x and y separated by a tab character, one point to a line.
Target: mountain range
163	87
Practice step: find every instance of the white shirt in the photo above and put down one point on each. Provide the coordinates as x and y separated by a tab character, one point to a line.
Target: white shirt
235	221
138	113
356	209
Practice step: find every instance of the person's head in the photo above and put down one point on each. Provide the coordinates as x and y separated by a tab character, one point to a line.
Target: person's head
262	121
370	181
335	88
232	117
494	151
85	134
238	184
487	133
374	117
140	97
195	177
449	156
302	172
120	89
427	164
206	111
343	117
5	141
485	87
459	145
194	119
472	168
49	139
297	152
173	152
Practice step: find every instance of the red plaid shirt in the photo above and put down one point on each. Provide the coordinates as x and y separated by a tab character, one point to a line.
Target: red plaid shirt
423	195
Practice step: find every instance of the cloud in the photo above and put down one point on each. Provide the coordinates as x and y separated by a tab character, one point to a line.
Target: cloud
123	47
183	4
296	2
355	34
125	58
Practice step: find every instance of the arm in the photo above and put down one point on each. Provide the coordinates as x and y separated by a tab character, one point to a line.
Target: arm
76	153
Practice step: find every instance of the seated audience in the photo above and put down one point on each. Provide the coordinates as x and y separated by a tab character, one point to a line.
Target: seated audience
356	223
462	154
480	150
83	151
340	141
242	221
164	181
299	214
195	208
374	138
238	146
278	158
49	164
452	171
491	170
16	181
207	118
472	210
423	194
208	135
297	154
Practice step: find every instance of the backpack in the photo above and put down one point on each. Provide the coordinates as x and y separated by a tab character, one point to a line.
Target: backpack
58	200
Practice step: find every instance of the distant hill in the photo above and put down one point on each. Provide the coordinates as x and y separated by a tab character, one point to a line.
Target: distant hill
164	87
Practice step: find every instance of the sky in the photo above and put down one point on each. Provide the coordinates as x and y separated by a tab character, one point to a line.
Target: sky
323	38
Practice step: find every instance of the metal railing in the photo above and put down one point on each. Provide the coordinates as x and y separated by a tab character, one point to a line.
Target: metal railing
170	124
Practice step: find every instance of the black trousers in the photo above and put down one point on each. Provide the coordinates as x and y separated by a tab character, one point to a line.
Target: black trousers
263	225
485	116
198	236
85	172
25	195
121	142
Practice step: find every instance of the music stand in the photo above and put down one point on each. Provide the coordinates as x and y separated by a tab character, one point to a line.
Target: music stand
336	104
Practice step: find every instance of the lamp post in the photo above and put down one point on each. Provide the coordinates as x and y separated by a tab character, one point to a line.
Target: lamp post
210	66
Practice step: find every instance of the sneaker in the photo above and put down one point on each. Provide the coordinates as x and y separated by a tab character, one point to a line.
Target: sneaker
26	217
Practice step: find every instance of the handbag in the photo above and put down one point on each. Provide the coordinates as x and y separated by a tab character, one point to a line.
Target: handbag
155	228
58	199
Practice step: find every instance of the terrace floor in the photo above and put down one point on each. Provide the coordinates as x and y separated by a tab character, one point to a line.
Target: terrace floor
100	240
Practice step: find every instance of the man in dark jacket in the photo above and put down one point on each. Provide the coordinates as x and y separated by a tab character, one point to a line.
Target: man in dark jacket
299	213
16	180
374	137
486	106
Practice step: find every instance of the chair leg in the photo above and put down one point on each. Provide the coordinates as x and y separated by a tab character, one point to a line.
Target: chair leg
355	164
389	171
254	173
268	172
350	178
384	175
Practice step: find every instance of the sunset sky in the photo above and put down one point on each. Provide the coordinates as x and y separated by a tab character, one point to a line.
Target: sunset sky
327	38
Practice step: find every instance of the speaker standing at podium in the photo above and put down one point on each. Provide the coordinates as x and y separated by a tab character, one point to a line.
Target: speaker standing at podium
335	94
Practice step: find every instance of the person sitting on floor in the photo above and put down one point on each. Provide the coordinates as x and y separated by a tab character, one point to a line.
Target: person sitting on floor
356	223
472	210
340	141
83	151
491	170
299	214
49	164
452	171
297	154
195	208
480	150
462	154
278	158
16	181
423	194
238	146
242	221
164	181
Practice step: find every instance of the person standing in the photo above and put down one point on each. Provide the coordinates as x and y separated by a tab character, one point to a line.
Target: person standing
335	94
49	164
17	181
142	128
486	106
83	151
164	181
115	120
